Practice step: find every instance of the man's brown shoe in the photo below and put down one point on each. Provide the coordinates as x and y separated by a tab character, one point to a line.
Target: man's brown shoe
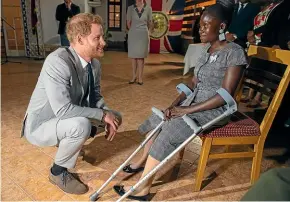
68	183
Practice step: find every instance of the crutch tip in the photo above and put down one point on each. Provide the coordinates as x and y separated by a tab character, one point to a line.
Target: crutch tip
94	197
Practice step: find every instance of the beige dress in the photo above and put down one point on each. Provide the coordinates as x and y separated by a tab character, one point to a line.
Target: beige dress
138	35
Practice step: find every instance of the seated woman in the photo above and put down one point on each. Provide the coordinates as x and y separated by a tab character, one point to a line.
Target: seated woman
221	65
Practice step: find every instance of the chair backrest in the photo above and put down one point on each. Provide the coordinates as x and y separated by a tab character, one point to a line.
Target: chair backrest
267	82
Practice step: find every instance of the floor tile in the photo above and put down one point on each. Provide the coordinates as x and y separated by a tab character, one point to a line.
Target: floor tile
10	191
36	185
25	167
66	198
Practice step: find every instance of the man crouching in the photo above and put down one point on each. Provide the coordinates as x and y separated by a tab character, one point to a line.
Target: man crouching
67	97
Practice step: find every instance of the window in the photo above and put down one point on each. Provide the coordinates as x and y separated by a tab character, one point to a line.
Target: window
115	15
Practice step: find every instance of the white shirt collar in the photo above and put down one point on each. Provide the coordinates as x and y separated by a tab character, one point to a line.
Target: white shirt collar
83	62
240	4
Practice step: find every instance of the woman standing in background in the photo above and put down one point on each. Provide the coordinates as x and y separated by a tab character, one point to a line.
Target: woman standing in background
139	17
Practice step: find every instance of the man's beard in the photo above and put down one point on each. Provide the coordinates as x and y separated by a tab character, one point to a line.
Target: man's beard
97	54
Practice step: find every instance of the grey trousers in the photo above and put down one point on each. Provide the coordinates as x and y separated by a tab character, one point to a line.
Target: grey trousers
71	135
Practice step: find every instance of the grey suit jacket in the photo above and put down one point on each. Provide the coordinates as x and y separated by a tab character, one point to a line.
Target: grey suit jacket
59	92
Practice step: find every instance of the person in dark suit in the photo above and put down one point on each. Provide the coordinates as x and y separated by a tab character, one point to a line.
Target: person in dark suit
285	44
267	25
273	17
283	115
63	13
284	33
242	22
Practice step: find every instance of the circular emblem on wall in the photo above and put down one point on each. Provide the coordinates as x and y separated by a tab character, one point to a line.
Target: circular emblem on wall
160	25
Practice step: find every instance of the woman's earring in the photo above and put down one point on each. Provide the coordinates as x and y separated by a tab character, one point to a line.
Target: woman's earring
222	36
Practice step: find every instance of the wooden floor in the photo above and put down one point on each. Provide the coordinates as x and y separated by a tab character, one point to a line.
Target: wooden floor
25	167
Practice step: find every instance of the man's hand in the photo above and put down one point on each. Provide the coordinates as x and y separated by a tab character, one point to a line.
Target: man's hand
288	44
112	120
230	37
179	111
110	132
112	123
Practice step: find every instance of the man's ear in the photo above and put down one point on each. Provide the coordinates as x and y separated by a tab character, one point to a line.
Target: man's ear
80	40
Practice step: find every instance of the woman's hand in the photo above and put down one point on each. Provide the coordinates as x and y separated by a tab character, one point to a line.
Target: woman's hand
251	40
167	113
251	37
251	33
179	111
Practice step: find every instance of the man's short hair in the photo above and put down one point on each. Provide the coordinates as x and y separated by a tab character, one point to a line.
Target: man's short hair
81	25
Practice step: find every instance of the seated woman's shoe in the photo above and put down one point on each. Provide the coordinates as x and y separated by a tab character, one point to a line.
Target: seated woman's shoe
119	189
131	82
140	83
128	169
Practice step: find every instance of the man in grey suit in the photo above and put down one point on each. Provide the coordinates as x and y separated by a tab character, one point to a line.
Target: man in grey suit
67	97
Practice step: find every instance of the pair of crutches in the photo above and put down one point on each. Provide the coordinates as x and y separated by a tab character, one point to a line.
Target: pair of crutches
231	108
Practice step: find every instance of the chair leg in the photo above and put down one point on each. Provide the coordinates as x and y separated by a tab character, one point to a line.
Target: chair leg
227	148
202	163
256	165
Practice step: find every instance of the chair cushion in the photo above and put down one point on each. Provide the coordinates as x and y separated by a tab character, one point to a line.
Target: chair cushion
240	125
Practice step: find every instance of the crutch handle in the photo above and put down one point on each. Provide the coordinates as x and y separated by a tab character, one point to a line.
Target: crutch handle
231	103
183	88
158	112
191	124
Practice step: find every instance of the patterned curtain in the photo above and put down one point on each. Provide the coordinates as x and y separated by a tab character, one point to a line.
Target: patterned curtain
34	45
33	17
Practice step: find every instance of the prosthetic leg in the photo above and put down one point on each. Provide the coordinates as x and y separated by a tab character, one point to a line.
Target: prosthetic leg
231	108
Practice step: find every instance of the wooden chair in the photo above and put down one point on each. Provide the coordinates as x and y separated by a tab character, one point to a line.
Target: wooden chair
243	130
